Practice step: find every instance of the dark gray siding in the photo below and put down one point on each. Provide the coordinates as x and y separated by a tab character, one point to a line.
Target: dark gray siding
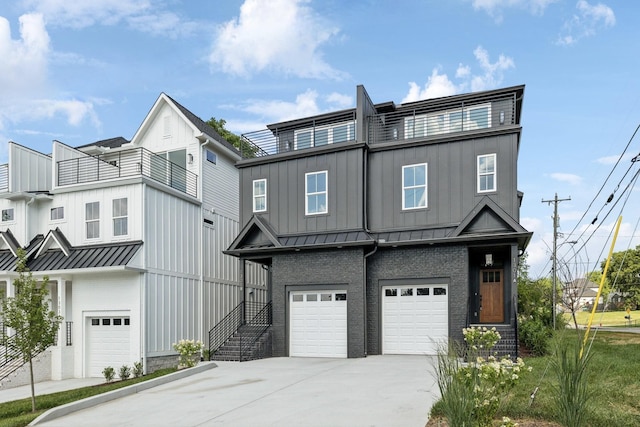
313	270
444	264
286	192
451	181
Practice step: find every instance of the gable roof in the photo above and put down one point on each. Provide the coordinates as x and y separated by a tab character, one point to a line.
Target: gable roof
55	239
257	233
7	239
116	142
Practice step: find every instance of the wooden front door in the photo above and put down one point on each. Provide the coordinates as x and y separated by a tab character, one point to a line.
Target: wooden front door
491	296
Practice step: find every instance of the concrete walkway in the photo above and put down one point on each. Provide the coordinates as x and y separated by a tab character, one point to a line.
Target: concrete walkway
374	391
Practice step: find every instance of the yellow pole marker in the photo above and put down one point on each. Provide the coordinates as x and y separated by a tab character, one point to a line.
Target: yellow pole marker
604	275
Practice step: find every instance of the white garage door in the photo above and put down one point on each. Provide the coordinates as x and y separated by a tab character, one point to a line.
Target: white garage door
108	344
318	324
414	319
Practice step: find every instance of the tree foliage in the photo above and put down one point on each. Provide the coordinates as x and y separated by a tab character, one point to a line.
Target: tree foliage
28	314
245	147
623	275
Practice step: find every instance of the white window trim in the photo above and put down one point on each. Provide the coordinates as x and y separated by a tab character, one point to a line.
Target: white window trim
114	217
256	196
13	215
61	219
307	194
494	173
425	186
87	221
351	130
421	121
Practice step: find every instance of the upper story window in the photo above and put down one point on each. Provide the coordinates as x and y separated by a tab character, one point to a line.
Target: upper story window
414	186
212	157
57	213
120	217
92	220
315	188
487	173
260	195
441	122
7	215
323	135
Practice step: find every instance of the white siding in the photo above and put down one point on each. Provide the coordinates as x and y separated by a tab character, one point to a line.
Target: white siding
172	306
30	170
220	191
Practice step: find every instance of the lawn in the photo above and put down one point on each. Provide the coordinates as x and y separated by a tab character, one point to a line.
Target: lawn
614	379
608	318
18	412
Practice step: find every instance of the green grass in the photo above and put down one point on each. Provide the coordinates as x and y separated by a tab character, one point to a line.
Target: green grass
18	412
608	318
613	376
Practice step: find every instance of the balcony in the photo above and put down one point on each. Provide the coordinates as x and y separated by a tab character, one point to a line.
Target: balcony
299	135
123	164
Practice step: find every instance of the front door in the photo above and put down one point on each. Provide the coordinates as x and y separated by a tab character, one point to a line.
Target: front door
491	296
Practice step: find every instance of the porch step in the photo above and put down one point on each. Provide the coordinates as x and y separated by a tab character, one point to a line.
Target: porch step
507	346
260	349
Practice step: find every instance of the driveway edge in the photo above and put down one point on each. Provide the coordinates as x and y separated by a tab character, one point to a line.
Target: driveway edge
60	411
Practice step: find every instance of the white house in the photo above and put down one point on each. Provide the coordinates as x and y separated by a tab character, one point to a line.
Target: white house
130	235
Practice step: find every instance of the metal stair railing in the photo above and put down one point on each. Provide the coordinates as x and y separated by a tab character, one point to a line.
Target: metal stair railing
11	358
259	325
225	328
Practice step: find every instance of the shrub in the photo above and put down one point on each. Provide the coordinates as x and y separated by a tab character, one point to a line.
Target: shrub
138	369
572	393
187	349
124	372
534	335
109	373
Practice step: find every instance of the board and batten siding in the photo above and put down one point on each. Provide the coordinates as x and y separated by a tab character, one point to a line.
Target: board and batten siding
73	223
172	233
451	182
30	170
219	185
286	192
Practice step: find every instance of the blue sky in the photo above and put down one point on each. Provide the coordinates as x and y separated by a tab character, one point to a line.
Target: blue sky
79	72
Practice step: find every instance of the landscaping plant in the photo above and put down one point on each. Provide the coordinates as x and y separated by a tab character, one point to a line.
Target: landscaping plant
109	373
124	372
138	369
187	350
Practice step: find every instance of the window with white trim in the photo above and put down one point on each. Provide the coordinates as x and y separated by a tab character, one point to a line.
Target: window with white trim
323	135
92	220
7	215
260	195
486	173
120	217
57	213
441	122
414	186
315	189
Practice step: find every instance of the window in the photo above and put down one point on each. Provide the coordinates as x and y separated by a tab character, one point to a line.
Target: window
117	322
106	322
414	186
341	297
57	213
406	292
456	120
92	220
422	291
316	193
260	195
391	292
120	219
486	173
7	214
323	135
212	157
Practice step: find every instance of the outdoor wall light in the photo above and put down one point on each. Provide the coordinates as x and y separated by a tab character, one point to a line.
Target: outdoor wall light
488	260
190	158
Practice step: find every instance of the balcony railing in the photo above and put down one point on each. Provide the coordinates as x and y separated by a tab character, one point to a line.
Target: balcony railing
129	163
4	178
301	136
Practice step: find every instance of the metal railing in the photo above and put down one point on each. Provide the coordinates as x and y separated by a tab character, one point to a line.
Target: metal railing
258	325
69	327
11	358
127	163
301	136
225	328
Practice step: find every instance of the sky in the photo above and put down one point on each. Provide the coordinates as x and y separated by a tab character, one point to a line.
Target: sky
79	72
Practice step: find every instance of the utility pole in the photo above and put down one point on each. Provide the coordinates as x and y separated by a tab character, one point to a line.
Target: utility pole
555	202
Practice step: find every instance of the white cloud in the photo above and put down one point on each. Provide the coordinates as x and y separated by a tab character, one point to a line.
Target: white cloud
439	85
340	101
148	16
611	160
495	8
567	177
586	22
278	35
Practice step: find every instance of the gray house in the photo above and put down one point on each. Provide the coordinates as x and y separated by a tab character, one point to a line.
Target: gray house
386	229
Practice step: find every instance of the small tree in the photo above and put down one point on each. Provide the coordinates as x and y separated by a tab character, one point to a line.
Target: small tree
29	315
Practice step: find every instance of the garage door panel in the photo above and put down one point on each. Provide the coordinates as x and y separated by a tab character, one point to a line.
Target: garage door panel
318	324
414	319
108	344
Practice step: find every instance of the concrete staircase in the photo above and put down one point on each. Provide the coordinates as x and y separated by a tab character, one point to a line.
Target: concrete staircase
508	343
250	342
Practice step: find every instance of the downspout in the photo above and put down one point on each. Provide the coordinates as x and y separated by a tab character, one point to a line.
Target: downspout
365	222
143	287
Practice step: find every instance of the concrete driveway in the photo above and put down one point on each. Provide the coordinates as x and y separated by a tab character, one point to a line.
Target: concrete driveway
374	391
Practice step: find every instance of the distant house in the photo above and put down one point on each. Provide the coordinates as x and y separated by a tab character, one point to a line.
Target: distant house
130	235
579	294
387	229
